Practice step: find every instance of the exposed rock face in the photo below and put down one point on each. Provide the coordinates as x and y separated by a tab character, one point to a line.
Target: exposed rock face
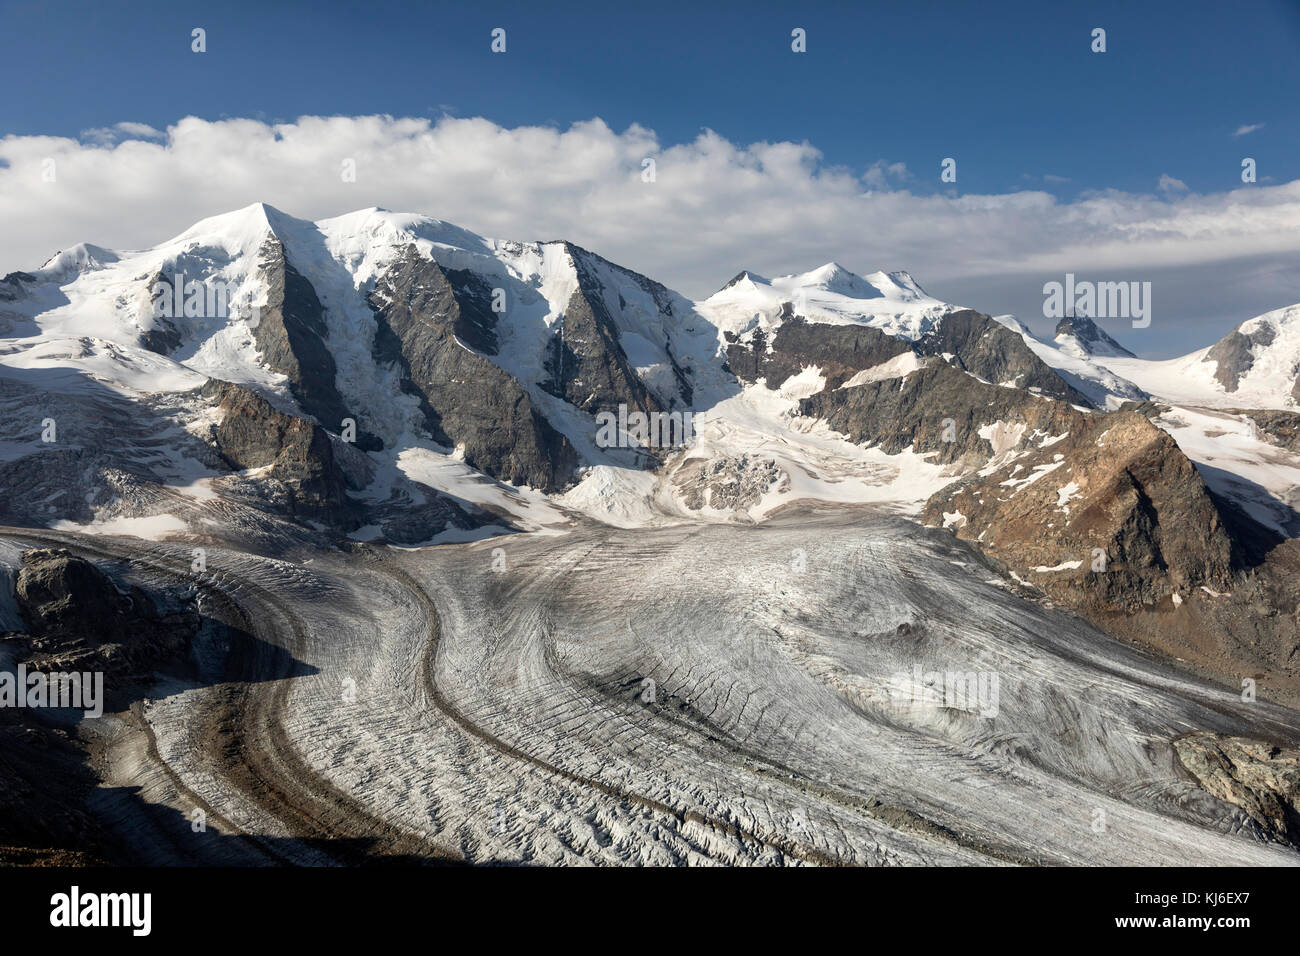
1186	573
43	784
11	286
467	400
1091	338
838	350
993	352
298	454
588	266
291	334
1260	778
80	620
940	410
474	323
969	340
1110	518
1279	427
585	361
77	620
163	337
1235	355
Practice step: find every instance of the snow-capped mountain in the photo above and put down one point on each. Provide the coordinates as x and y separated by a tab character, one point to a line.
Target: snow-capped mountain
892	302
1080	336
1256	365
449	356
420	380
1081	368
384	378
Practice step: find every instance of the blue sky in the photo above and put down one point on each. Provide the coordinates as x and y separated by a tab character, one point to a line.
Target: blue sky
1011	89
833	154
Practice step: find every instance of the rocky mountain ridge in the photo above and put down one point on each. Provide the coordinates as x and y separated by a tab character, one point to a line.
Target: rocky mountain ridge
394	378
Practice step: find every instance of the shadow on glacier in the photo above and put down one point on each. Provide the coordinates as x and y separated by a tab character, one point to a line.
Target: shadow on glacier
145	833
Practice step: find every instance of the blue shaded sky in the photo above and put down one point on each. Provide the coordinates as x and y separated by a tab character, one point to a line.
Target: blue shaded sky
1010	88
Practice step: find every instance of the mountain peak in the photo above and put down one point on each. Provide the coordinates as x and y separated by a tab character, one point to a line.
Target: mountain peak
83	257
248	225
744	275
829	271
1079	332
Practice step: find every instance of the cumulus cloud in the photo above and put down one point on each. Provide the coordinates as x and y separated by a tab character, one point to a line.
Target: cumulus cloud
884	175
714	206
1168	184
108	135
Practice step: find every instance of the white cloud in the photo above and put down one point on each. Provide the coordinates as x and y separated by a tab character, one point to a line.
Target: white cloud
1243	130
1168	184
885	175
713	208
108	135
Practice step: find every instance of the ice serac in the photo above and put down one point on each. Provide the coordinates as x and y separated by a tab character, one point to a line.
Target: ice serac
298	455
466	400
1081	336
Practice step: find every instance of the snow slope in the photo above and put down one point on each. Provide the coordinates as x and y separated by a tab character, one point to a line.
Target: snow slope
1104	388
1190	379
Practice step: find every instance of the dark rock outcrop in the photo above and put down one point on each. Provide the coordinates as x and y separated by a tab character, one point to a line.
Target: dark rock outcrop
940	410
838	350
11	286
298	454
970	341
474	322
585	360
1281	428
291	336
991	351
1117	524
467	400
1235	355
1114	514
77	619
44	782
162	336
